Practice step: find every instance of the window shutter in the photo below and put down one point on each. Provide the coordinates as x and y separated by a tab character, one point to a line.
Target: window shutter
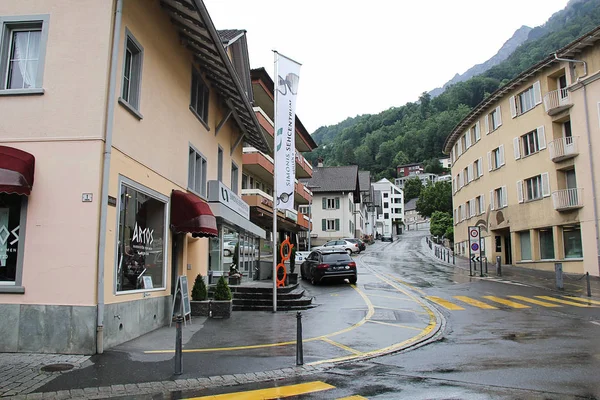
520	191
472	204
545	184
487	124
470	172
537	93
482	205
502	159
337	203
504	197
468	139
477	132
517	147
499	114
453	185
541	134
324	203
460	151
492	200
513	107
480	167
455	216
324	225
490	166
337	224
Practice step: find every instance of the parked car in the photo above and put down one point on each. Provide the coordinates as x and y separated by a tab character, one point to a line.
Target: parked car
328	264
245	248
387	238
361	245
340	244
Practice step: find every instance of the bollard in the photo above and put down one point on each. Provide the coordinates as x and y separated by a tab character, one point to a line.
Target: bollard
299	350
498	266
178	358
589	288
453	259
559	275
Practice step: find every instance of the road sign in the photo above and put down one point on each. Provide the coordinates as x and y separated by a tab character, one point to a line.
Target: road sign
475	259
475	247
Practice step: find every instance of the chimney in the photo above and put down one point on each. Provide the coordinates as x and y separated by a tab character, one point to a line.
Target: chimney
320	162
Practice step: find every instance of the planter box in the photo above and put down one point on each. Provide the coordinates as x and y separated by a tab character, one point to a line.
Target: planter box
200	308
234	280
221	308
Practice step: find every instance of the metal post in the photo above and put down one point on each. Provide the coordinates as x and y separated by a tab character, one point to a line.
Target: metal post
559	275
589	288
299	350
498	266
453	259
486	266
178	347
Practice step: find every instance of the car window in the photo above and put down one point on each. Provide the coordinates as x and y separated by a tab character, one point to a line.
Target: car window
336	257
313	256
340	242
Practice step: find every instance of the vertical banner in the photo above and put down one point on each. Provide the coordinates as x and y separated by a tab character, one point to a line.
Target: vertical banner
286	81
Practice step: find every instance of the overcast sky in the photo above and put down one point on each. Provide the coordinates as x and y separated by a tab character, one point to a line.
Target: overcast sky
363	57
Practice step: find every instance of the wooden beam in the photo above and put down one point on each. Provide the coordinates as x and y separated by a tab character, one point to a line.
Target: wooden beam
223	121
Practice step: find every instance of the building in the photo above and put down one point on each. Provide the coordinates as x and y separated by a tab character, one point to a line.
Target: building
364	224
446	162
409	169
412	218
336	196
390	220
426	178
525	165
135	150
258	167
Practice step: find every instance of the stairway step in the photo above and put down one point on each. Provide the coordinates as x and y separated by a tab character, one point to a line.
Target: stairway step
270	308
305	301
296	294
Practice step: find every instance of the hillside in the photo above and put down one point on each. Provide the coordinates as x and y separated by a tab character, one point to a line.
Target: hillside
415	132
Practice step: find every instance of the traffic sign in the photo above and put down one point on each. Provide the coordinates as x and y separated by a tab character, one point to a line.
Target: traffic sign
475	259
475	247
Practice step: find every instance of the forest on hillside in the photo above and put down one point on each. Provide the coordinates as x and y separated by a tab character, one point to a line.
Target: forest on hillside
416	131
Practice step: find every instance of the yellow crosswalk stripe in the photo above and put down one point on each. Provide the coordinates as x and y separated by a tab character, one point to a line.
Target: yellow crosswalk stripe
583	300
353	398
534	301
444	303
475	303
271	393
506	302
561	301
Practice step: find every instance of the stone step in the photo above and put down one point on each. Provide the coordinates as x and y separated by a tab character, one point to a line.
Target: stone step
301	302
270	308
296	294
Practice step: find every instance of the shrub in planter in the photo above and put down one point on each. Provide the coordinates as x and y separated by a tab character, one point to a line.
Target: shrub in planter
222	305
200	305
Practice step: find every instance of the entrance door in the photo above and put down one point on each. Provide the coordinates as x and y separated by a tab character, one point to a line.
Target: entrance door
571	182
562	89
507	248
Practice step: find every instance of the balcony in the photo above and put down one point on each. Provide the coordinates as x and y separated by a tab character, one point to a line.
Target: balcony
303	220
258	164
568	199
303	167
258	198
563	148
301	193
557	101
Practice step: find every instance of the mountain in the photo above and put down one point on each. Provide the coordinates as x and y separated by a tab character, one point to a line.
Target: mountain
517	39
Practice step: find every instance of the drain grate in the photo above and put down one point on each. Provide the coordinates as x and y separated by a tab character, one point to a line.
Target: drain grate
57	367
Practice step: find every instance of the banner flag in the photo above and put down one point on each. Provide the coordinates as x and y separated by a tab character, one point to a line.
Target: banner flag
287	77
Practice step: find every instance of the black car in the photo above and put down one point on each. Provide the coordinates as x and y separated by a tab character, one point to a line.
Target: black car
328	264
361	245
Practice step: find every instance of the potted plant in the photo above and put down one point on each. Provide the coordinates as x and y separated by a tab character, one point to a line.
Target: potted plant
222	304
200	304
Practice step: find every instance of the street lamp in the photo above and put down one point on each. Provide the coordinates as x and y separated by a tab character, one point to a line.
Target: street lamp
310	222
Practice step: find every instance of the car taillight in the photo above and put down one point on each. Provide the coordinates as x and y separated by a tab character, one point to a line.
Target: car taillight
352	264
322	266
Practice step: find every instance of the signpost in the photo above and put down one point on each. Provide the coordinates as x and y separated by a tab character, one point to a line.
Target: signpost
475	250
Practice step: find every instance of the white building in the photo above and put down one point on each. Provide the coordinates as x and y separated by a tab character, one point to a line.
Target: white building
446	162
390	219
425	177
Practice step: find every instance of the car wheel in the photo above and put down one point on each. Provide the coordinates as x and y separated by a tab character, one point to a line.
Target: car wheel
352	280
313	281
349	252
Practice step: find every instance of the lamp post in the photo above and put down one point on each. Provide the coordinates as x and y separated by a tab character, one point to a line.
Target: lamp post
310	222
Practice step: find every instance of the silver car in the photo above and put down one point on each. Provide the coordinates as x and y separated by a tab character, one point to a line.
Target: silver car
340	244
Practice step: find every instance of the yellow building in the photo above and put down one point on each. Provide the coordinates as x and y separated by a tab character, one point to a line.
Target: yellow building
525	165
132	119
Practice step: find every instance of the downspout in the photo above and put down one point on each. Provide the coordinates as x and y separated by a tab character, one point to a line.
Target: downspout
556	57
110	112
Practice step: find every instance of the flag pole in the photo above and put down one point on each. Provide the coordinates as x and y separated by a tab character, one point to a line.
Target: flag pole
275	186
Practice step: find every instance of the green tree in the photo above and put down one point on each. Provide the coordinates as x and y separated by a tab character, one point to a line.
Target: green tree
412	189
199	291
440	223
222	292
434	166
436	197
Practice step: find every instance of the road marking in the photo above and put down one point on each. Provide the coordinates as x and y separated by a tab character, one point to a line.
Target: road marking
392	297
587	301
561	301
401	309
271	393
341	346
506	302
534	301
475	303
444	303
353	398
396	325
595	322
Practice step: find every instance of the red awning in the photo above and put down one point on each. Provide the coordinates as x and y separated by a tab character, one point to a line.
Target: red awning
16	171
191	214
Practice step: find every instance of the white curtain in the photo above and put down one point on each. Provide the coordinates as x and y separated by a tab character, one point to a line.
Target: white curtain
25	57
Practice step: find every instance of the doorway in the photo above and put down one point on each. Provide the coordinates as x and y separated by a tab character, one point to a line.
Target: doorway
507	249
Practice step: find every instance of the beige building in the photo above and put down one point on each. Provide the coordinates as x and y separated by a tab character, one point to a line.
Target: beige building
525	166
131	117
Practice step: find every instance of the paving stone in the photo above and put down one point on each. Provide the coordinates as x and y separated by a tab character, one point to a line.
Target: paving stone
181	382
90	390
204	381
77	393
104	389
130	387
118	387
34	396
144	385
48	395
192	382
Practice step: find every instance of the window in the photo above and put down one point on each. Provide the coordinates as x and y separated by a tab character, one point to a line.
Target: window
498	198
244	181
386	205
496	158
385	195
525	239
197	172
13	211
234	178
493	120
477	170
475	133
546	244
535	188
331	203
331	224
386	216
479	205
530	143
199	97
132	74
572	241
220	164
22	53
526	100
141	238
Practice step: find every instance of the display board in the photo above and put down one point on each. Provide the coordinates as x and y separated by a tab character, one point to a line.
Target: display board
181	300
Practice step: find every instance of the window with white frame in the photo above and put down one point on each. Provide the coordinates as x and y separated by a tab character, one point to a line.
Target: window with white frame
479	205
476	133
331	224
22	53
197	172
199	96
498	198
132	72
466	175
526	100
331	203
530	143
496	158
234	178
477	170
493	120
533	188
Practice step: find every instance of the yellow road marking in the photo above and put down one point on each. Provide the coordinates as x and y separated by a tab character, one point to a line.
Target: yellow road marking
271	393
341	346
506	302
353	398
534	301
561	301
416	289
588	301
395	325
391	297
444	303
401	309
475	303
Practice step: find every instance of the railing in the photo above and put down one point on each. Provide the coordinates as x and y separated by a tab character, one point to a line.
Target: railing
555	99
567	199
251	150
250	192
563	148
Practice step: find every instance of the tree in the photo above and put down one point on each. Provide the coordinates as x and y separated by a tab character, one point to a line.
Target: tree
434	166
436	197
412	189
440	223
199	291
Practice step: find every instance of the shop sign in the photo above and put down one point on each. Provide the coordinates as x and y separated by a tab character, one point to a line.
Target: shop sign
217	192
291	215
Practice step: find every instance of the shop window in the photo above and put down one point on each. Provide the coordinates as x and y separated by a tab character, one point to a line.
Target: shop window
572	241
141	238
13	209
197	167
525	239
546	244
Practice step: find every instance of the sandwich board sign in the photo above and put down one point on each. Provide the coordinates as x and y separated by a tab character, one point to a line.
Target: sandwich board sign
181	300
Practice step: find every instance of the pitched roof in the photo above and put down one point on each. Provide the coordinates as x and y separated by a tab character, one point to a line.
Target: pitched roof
411	205
364	180
230	35
334	179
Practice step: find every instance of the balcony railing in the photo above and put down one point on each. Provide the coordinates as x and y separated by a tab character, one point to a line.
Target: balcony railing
568	199
556	101
563	148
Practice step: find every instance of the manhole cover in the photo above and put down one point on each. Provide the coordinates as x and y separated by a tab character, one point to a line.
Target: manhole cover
57	367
